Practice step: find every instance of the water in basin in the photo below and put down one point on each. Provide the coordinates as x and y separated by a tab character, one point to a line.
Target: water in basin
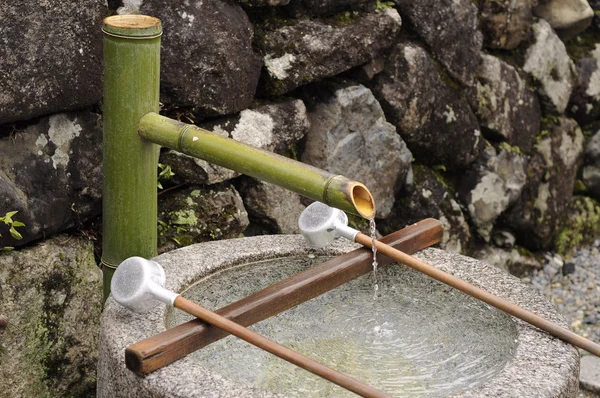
417	338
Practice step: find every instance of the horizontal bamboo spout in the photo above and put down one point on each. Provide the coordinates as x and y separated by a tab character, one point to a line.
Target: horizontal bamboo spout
334	190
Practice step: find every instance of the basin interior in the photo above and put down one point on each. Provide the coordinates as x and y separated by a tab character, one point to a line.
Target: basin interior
417	337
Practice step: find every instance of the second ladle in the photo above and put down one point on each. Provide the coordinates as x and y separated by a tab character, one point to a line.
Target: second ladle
321	224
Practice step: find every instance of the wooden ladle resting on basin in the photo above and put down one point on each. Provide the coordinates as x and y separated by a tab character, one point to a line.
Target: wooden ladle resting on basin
138	284
321	224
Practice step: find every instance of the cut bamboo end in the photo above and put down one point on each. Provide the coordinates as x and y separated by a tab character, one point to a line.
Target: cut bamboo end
363	200
132	26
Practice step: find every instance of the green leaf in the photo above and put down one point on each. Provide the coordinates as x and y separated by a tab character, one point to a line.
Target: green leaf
159	185
165	171
15	234
11	213
18	224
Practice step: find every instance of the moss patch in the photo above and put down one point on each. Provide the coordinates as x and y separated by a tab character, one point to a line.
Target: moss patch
581	226
199	214
583	44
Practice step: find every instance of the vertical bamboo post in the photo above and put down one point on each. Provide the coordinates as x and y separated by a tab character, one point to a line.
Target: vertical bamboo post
131	89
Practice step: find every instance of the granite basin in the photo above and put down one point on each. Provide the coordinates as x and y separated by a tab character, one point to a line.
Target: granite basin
413	337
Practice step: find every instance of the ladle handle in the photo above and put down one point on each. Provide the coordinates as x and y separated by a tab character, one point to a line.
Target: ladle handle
482	295
277	349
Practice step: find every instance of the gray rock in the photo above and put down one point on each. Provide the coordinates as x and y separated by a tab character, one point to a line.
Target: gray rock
591	170
50	57
505	24
506	108
492	186
430	196
311	50
504	239
207	60
275	127
568	268
51	173
263	3
567	17
547	61
438	127
536	217
589	378
199	214
271	209
365	73
350	136
330	7
450	28
510	260
584	105
552	269
51	294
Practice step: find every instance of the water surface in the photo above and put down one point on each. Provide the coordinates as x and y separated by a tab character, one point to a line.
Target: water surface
418	338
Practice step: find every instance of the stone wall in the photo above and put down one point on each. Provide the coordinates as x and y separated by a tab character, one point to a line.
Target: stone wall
482	114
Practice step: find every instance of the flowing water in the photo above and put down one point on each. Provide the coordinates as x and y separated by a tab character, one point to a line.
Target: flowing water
419	338
373	233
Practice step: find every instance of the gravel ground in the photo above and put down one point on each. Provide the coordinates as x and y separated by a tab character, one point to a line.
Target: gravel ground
573	285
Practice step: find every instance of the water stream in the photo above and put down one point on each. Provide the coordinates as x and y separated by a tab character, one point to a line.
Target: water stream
373	233
419	338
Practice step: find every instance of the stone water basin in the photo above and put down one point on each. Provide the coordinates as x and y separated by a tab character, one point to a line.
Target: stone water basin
416	337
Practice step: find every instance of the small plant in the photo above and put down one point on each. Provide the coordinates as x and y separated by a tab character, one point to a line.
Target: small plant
382	5
12	224
165	174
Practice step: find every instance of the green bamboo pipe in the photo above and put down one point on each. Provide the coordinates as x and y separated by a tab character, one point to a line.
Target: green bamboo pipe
131	89
334	190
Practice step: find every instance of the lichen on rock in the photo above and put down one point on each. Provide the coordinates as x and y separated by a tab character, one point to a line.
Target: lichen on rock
507	109
51	173
547	61
537	216
310	50
491	186
430	196
51	57
207	60
436	123
49	348
451	29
